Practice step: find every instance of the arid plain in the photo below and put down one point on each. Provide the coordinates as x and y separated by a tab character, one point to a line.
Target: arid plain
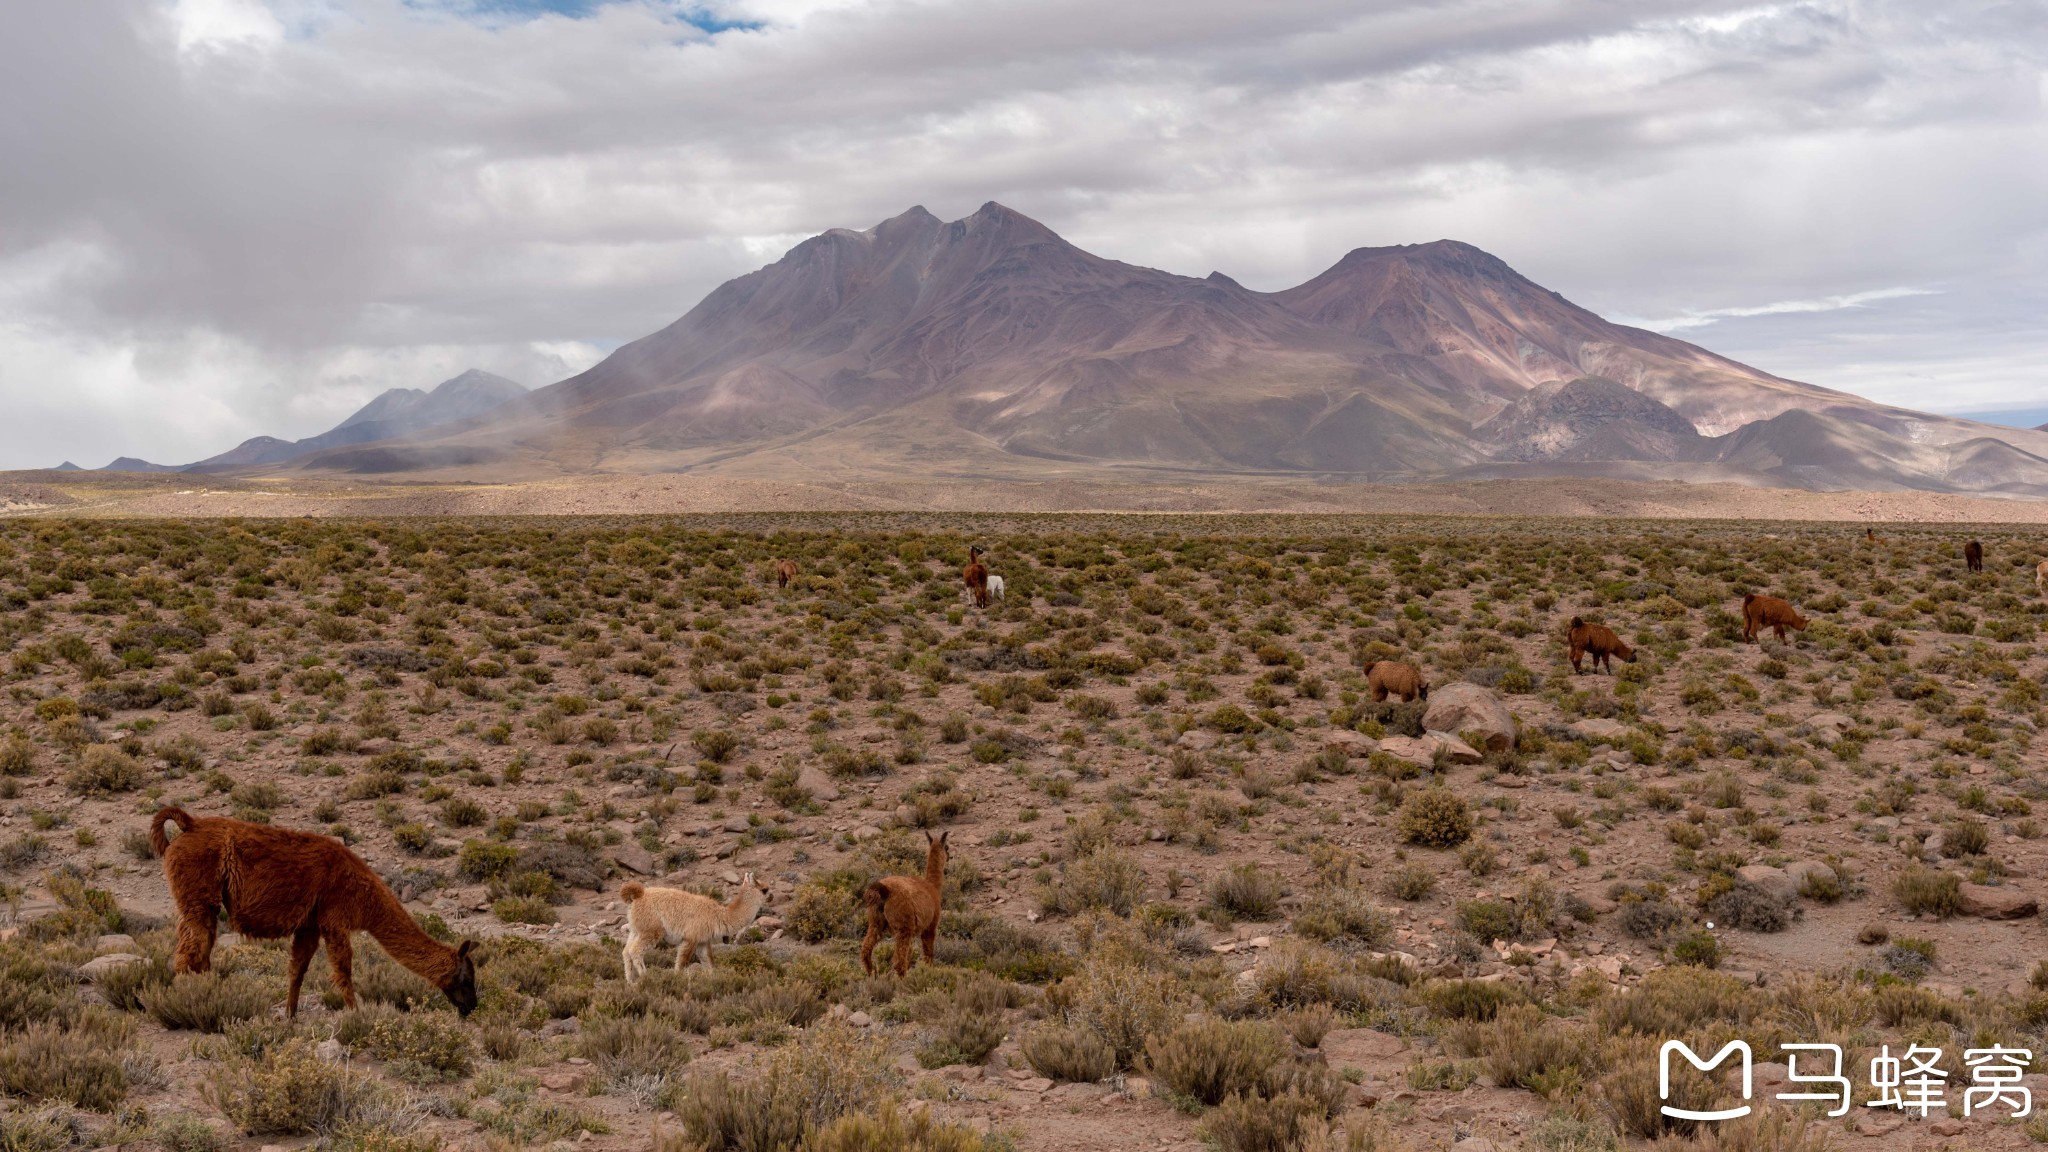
1203	888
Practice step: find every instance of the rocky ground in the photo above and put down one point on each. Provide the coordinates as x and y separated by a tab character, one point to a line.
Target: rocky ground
1180	827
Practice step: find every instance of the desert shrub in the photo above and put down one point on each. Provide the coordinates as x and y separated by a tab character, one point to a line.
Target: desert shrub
1523	1048
1632	1094
1410	882
1263	1124
1068	1054
887	1131
1246	890
1308	1024
1344	912
633	1046
208	1001
1924	891
486	859
965	1034
51	1128
47	1062
1701	949
434	1041
1210	1059
122	985
1965	837
103	769
1672	1001
1106	879
1294	974
35	987
17	757
1124	996
289	1091
1435	818
1754	908
1650	919
1478	1000
829	1072
819	912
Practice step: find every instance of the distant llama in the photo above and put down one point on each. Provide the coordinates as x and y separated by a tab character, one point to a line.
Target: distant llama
976	576
274	883
1973	556
1761	612
671	915
907	906
1598	641
2041	578
995	587
785	571
1395	678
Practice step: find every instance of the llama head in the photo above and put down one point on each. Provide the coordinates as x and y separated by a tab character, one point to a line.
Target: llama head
935	851
749	884
460	986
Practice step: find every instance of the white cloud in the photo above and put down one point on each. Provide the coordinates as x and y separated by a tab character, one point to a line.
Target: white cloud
251	216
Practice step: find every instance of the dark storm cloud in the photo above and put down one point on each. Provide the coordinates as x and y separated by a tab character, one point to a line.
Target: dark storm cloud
222	217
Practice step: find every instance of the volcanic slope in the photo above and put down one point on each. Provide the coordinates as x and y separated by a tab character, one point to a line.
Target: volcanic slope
989	346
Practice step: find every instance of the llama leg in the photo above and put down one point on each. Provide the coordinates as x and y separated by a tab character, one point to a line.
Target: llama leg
867	946
901	961
686	953
707	954
305	942
931	937
197	924
630	955
341	955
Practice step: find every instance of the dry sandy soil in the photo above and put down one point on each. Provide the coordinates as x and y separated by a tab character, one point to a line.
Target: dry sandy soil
1168	794
102	494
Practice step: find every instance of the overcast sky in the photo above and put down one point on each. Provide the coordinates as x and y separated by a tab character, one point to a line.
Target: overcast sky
220	218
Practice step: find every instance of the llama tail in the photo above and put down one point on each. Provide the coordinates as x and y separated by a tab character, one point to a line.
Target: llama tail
1748	598
631	890
158	842
875	895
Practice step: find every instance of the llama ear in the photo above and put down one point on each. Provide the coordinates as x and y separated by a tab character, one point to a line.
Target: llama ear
464	949
944	836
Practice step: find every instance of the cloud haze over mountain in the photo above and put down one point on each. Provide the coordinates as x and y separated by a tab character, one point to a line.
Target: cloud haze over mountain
220	218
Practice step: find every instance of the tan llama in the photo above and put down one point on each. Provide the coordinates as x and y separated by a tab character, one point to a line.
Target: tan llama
690	921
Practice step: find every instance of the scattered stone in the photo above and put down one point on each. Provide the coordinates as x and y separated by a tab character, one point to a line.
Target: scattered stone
1997	903
1354	744
860	1020
1033	1084
1260	942
1456	750
1461	707
1948	1126
561	1081
99	966
567	1026
1799	870
329	1050
1414	749
1874	1124
735	824
115	942
633	858
1075	1093
1773	880
1594	728
1472	1144
864	833
729	876
819	785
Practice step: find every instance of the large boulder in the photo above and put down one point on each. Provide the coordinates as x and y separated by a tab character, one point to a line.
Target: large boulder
1461	707
1776	881
1997	903
1414	749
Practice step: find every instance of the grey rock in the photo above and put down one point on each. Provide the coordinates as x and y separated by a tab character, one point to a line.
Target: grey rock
1460	707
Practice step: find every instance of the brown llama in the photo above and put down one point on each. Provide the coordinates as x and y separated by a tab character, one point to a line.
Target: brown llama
1973	556
1396	678
976	577
274	883
1600	642
907	906
785	571
1761	612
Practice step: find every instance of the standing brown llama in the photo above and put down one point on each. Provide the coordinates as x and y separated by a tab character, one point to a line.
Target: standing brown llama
274	883
785	571
909	906
976	576
1973	556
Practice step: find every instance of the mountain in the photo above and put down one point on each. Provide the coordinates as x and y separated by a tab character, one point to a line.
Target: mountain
67	466
991	347
131	464
397	413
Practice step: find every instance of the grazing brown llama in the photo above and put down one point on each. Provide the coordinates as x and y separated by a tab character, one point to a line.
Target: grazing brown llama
1870	535
785	571
976	577
1761	612
908	906
1395	678
1599	641
1973	556
2041	577
687	919
274	883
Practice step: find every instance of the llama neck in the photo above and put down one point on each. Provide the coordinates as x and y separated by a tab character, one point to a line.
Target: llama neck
935	872
406	942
